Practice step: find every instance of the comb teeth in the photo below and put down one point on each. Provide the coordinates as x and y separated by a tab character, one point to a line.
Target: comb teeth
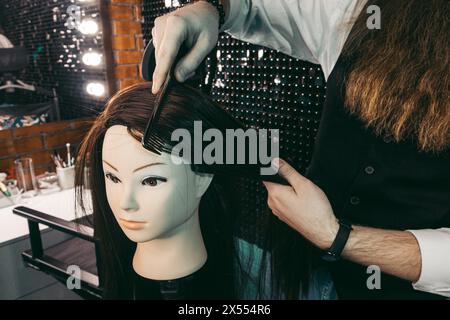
154	143
150	140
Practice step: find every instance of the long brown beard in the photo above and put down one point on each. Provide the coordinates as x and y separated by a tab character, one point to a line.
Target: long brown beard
399	85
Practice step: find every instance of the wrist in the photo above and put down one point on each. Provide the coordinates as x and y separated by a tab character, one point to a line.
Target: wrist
329	235
334	251
221	9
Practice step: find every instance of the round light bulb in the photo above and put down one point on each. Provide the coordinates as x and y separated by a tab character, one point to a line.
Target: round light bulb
95	89
92	59
88	26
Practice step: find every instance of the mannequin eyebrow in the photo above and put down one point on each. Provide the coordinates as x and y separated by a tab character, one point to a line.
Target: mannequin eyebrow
147	165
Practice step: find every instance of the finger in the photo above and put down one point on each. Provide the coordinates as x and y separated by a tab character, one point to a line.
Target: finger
294	178
270	203
280	216
266	183
164	59
188	64
158	32
270	186
155	39
276	213
167	52
276	190
273	208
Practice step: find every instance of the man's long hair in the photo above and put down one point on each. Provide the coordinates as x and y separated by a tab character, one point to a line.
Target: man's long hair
398	82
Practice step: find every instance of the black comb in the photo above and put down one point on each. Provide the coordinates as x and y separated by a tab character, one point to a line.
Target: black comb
151	141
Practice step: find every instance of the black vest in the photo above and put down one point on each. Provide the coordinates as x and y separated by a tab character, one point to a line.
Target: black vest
374	181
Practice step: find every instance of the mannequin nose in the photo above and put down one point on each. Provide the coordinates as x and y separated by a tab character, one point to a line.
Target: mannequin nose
128	201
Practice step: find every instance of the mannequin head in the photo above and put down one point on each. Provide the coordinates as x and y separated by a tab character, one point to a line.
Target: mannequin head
144	202
149	195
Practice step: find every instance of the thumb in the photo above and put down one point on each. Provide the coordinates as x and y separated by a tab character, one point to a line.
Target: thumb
292	176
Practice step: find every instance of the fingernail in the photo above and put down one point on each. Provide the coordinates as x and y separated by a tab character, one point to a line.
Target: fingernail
276	163
183	76
190	75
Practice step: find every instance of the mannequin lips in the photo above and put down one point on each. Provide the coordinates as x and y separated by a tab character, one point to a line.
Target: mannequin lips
132	225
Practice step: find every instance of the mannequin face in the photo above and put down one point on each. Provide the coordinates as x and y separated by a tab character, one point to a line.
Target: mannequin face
150	196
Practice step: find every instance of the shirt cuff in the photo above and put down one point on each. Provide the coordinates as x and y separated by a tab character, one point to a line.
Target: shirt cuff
435	251
237	12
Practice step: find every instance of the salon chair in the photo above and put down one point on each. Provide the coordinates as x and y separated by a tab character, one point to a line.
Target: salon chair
12	62
80	249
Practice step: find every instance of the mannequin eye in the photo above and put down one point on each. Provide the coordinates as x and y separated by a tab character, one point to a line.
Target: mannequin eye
111	177
153	181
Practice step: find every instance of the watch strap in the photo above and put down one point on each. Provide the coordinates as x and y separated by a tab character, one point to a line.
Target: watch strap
335	251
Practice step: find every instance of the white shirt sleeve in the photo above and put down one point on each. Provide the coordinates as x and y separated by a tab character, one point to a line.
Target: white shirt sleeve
435	250
311	30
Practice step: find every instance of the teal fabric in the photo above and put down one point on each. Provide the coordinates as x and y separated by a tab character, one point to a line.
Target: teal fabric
321	285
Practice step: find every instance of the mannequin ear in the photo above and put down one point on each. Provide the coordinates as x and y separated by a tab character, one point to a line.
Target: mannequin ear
202	182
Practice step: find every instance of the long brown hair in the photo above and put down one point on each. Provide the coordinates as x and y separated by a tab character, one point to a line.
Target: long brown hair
219	207
132	108
399	81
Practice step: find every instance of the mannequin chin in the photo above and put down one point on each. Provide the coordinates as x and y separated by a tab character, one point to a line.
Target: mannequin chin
155	202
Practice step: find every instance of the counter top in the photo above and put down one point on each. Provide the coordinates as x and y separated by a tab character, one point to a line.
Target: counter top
59	204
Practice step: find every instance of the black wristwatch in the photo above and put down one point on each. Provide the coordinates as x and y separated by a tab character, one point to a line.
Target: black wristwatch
335	251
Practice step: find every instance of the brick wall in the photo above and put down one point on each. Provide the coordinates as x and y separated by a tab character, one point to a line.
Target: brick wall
127	43
38	142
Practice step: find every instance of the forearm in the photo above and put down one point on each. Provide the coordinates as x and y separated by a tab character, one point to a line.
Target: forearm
395	252
419	256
